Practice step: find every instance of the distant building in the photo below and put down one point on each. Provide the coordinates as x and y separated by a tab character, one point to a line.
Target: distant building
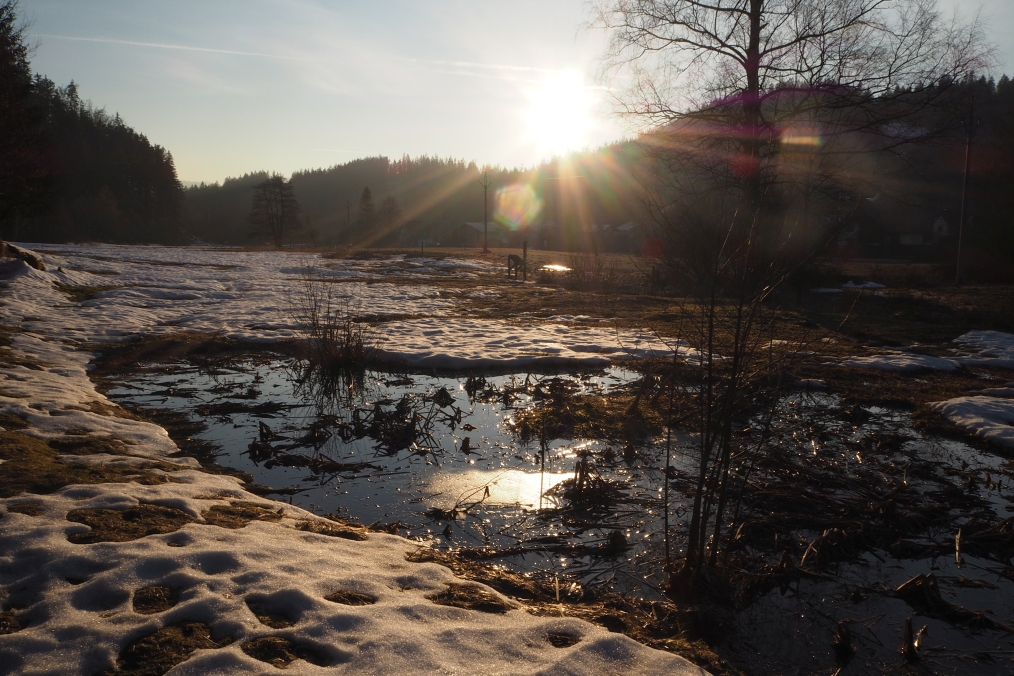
472	234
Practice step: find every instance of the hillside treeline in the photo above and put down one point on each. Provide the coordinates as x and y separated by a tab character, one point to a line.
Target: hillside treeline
107	182
70	171
428	198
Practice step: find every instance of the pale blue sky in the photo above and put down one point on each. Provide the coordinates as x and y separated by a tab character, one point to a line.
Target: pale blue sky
238	85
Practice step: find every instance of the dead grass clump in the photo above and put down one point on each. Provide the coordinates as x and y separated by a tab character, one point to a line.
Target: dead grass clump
123	525
31	466
280	652
348	597
471	597
154	599
239	513
28	508
157	653
335	339
333	529
82	293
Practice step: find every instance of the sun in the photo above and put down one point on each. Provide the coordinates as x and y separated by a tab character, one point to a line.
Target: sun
559	114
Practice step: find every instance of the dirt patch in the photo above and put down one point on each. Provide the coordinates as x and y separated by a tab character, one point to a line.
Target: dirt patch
31	465
239	513
123	525
471	597
157	653
155	599
348	597
29	508
333	529
10	622
281	652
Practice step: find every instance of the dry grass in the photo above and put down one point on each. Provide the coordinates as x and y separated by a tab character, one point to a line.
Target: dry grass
124	525
347	597
31	465
659	625
471	597
280	652
333	529
238	514
157	653
154	599
28	508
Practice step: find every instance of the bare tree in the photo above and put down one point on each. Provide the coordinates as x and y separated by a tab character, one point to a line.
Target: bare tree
275	209
738	85
764	122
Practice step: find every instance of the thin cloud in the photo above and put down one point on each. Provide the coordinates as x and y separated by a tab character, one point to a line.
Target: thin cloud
185	48
492	66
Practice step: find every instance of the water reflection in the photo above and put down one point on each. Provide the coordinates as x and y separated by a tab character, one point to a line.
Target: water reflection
449	460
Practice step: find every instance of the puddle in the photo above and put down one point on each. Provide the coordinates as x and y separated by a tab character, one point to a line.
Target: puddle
466	481
463	478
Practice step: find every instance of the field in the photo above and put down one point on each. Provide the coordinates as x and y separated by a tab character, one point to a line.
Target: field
511	432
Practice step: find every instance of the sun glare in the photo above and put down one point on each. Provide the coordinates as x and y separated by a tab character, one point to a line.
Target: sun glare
559	114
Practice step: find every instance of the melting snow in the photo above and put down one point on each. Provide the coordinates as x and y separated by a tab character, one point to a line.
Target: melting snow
991	418
902	362
987	348
77	597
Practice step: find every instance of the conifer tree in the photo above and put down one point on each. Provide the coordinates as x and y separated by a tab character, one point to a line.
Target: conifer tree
274	209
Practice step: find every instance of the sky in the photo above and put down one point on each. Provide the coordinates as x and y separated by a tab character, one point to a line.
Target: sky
233	86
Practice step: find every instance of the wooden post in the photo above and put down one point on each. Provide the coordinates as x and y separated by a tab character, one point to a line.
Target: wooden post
524	260
485	212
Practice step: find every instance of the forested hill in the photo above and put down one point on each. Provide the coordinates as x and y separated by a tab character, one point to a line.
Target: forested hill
107	182
69	171
428	196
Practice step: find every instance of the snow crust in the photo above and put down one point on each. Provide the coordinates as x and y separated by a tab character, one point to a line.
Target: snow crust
901	361
987	348
77	597
249	296
80	627
492	344
991	418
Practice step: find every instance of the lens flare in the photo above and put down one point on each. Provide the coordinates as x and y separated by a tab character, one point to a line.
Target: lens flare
516	206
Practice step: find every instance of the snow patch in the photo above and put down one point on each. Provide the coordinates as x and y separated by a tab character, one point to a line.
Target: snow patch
902	362
991	418
987	348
